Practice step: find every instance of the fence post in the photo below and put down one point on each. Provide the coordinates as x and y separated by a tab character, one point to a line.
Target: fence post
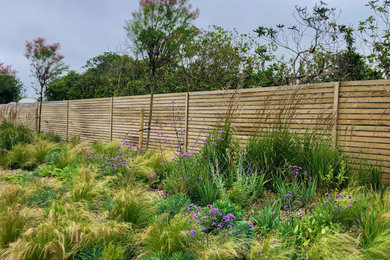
36	119
111	116
141	128
335	111
186	122
67	121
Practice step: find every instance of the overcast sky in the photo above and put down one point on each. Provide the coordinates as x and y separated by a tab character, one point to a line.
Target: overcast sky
87	28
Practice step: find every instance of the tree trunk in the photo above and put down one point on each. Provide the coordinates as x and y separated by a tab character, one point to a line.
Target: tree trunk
150	111
40	110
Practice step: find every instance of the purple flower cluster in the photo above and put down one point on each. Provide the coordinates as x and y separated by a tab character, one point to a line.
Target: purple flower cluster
116	163
211	219
334	200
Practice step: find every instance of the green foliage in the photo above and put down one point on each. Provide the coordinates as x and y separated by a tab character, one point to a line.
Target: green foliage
274	151
13	222
20	157
40	150
207	191
227	207
43	197
247	187
173	205
267	218
12	134
368	175
335	246
50	137
11	88
270	248
133	205
171	236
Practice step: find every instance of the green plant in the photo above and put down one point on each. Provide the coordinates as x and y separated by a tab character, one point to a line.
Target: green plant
13	222
335	246
50	137
267	218
133	205
227	207
171	236
246	187
220	149
19	157
40	150
112	251
368	175
42	197
270	248
173	205
12	134
207	191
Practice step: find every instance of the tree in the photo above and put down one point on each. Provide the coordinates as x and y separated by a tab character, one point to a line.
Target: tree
158	32
310	44
376	34
46	65
11	87
106	75
218	59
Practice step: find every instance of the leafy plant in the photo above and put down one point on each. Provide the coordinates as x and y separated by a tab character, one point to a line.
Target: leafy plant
267	219
207	191
12	134
173	205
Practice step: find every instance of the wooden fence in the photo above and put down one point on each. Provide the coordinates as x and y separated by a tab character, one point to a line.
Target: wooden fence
356	115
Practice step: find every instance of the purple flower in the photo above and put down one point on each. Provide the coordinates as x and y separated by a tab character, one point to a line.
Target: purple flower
153	176
185	154
214	143
192	232
272	213
350	205
200	178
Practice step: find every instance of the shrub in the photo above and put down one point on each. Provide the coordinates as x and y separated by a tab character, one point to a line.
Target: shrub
12	134
50	137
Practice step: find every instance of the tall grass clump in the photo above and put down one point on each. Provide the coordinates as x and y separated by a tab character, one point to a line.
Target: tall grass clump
13	222
133	205
40	150
375	227
12	134
274	151
171	236
335	246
